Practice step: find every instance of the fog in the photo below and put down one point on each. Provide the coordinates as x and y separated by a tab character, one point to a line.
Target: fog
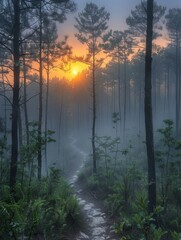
119	94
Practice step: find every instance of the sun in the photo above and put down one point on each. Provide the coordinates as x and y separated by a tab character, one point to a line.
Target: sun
74	72
75	69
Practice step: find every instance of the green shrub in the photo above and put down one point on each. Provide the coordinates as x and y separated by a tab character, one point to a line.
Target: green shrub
92	182
46	208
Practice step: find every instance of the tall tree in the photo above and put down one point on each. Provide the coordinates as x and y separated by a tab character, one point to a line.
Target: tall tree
142	21
11	36
137	20
10	28
40	14
55	11
173	24
15	104
92	24
148	110
54	53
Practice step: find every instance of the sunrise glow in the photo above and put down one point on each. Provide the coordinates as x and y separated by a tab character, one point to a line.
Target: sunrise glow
74	72
75	69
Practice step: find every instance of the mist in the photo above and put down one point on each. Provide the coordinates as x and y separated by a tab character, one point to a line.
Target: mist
90	120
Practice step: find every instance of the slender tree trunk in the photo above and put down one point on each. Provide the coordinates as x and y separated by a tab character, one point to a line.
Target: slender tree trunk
20	133
168	89
177	95
119	91
4	126
25	101
5	107
94	115
140	105
180	71
179	80
165	93
40	98
46	107
148	110
15	105
125	100
112	96
60	142
107	100
20	129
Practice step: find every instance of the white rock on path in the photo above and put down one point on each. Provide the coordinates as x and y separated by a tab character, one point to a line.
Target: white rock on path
95	217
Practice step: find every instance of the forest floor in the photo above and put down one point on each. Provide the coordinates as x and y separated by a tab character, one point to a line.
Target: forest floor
97	225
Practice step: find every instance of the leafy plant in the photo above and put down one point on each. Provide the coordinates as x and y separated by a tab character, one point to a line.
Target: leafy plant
139	224
49	211
175	235
168	161
107	152
123	191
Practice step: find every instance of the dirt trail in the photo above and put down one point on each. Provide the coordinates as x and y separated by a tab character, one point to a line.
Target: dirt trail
99	227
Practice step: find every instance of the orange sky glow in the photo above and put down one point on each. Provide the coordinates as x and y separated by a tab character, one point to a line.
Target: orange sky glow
75	68
119	11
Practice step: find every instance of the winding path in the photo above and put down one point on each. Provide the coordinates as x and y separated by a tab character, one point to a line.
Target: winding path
98	226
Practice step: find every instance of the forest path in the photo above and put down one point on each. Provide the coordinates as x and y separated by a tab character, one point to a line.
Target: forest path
98	226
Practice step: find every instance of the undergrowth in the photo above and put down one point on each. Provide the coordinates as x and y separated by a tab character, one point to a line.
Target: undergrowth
47	208
121	184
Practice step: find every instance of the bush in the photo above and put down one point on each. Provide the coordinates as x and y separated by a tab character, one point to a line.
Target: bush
47	208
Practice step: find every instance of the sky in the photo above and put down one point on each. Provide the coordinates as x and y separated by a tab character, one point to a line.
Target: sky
119	10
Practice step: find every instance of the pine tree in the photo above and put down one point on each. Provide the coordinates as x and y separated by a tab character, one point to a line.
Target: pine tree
92	25
148	110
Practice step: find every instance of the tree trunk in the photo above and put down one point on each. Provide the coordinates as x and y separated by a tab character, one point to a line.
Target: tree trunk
94	115
4	126
15	105
46	106
40	98
168	89
119	90
5	107
148	110
177	88
125	100
179	69
25	100
140	104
